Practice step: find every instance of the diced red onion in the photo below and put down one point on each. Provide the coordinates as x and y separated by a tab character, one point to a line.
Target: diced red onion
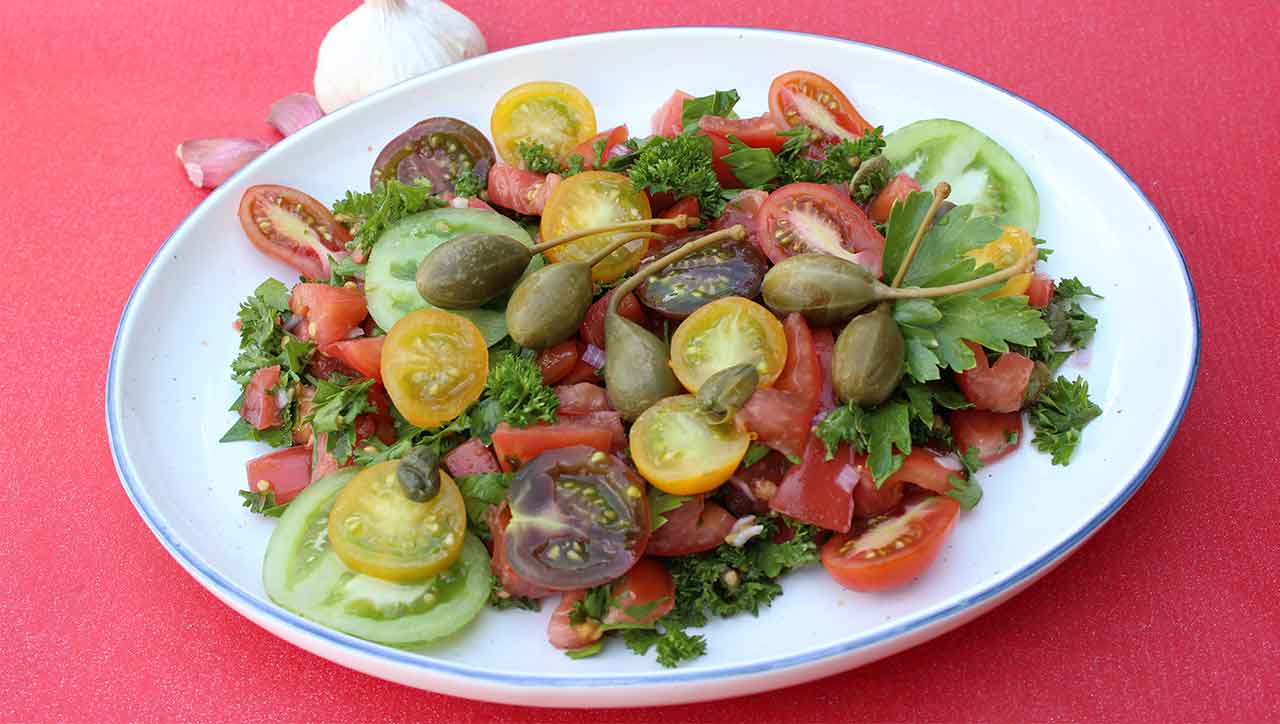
294	111
210	161
355	332
594	356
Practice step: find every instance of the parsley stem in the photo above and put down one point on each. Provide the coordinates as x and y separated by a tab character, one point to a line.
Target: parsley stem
1024	264
940	192
680	222
618	243
737	232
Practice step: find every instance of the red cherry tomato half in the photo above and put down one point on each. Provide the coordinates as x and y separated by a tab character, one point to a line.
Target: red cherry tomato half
817	218
999	387
288	225
801	97
364	355
696	526
890	551
331	312
524	192
820	491
898	189
558	361
260	408
284	473
993	434
470	458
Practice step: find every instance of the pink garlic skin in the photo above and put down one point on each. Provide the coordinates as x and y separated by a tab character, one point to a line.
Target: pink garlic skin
294	111
211	161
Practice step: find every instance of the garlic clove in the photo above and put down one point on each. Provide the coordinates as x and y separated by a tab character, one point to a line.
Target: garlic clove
383	42
294	111
210	161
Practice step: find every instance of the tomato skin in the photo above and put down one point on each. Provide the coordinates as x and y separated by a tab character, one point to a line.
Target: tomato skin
724	173
648	584
859	240
759	132
825	343
668	119
612	139
820	491
988	432
999	387
696	526
751	488
898	189
610	420
259	408
582	372
592	329
363	354
511	582
843	121
688	206
802	374
868	500
471	458
322	461
558	361
928	469
331	312
522	191
516	446
309	255
927	523
380	422
286	472
777	421
582	398
1040	291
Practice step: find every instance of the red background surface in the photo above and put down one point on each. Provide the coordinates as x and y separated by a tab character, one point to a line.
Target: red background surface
1169	613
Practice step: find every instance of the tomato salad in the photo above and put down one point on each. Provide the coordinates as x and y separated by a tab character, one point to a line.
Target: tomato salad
647	375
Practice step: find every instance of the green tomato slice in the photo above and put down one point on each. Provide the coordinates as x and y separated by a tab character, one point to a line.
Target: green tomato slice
303	574
979	170
391	275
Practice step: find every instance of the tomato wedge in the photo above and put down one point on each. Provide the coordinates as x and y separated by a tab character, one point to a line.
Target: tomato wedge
820	491
291	226
668	120
777	420
260	408
557	362
802	374
999	387
890	551
1040	291
825	343
758	132
697	525
283	473
645	594
898	189
524	192
515	446
582	398
562	633
994	435
801	97
331	312
364	355
613	140
471	458
817	218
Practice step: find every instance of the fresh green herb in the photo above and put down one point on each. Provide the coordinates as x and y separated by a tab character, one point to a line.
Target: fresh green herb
935	330
593	605
504	601
515	386
369	214
941	257
263	343
966	489
761	168
262	503
536	157
674	645
681	166
598	148
1071	328
337	403
755	453
470	185
442	439
720	103
586	651
754	167
574	167
344	270
1060	416
662	502
878	432
481	492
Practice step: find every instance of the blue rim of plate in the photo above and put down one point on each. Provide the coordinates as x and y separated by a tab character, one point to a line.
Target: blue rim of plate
1030	571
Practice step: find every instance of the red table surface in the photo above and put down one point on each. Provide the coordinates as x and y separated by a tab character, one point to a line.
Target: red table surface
1169	613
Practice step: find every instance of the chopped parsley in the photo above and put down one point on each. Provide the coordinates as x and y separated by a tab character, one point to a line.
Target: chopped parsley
1059	417
369	214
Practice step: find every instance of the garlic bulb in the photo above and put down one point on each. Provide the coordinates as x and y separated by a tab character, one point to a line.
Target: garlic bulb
386	41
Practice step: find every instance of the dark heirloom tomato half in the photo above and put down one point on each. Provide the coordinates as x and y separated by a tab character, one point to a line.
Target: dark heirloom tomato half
440	149
579	518
291	226
731	269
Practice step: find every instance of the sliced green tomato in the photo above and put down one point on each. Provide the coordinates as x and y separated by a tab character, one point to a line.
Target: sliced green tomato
979	170
391	276
303	574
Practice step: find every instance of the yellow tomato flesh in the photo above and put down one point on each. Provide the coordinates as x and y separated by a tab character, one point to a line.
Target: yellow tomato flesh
587	200
556	115
724	333
1002	253
679	451
434	364
377	530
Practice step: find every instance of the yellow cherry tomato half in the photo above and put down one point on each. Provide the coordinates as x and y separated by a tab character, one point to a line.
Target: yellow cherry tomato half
724	333
434	364
377	530
590	199
679	451
1002	253
557	115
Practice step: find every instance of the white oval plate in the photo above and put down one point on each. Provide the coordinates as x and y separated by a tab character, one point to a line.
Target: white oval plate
168	386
